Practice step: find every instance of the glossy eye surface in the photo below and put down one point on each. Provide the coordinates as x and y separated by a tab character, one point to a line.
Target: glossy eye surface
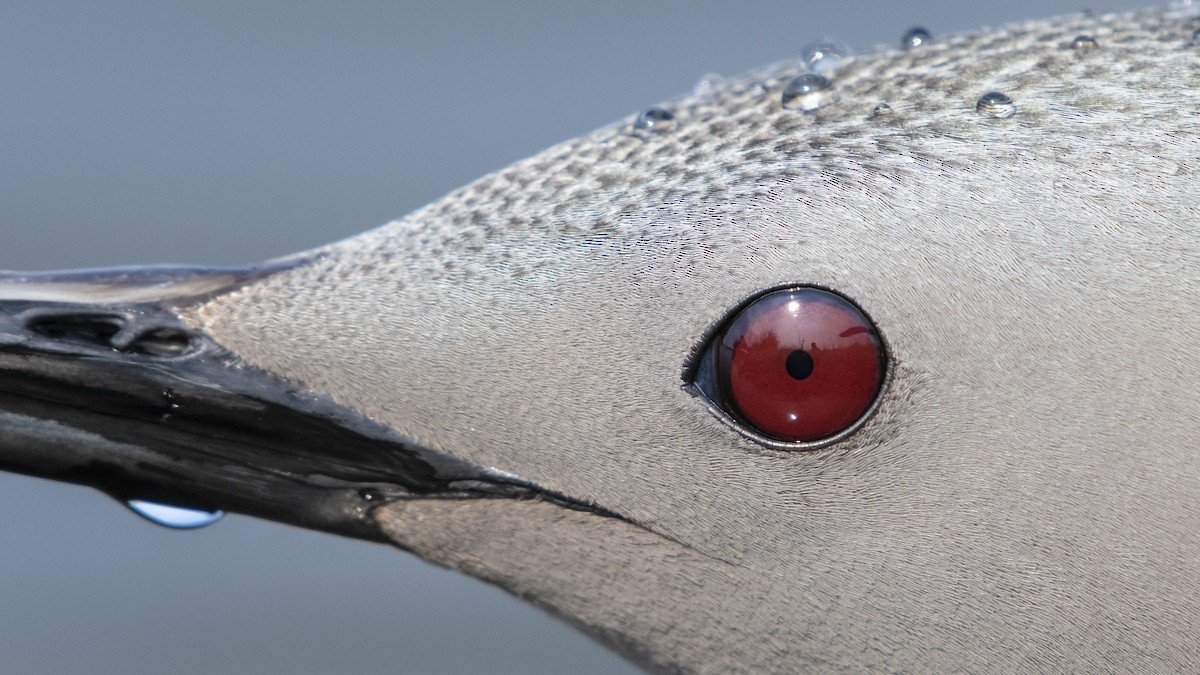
799	365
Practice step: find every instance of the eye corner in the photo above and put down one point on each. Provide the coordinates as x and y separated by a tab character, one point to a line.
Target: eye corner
809	375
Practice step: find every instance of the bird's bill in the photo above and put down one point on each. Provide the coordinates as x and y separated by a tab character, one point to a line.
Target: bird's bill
104	383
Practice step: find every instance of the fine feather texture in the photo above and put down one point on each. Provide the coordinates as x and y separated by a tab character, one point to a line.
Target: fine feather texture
1024	496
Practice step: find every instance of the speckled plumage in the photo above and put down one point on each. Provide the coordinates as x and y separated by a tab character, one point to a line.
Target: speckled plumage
1024	497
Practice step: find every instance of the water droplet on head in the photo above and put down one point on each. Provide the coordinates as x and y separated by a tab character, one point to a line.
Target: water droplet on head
707	83
825	55
915	37
882	110
807	92
1083	44
174	517
996	104
655	119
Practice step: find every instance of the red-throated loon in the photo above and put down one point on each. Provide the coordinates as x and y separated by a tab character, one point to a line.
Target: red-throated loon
981	500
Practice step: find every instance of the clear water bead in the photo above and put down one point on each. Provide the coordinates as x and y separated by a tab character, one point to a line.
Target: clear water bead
658	120
807	92
825	55
1083	44
174	517
996	104
916	37
707	83
370	495
882	110
1196	37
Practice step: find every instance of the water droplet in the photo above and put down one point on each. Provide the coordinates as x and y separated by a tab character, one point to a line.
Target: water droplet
1083	44
915	37
825	55
882	110
707	83
996	104
657	120
1196	38
174	517
807	92
171	406
370	495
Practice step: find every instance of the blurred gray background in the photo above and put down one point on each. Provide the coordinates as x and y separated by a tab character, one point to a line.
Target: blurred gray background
226	132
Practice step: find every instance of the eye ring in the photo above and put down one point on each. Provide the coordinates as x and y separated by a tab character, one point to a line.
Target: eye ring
844	394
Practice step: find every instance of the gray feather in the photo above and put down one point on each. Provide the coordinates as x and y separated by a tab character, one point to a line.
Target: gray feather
1021	500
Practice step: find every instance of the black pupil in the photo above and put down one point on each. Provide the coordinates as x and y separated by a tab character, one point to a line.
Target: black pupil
799	364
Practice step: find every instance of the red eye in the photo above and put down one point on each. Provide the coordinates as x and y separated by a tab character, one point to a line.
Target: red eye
800	365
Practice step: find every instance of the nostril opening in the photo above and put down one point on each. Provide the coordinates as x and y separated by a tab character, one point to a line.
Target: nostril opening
92	330
162	342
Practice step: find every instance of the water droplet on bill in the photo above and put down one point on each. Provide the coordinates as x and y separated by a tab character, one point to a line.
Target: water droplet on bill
174	517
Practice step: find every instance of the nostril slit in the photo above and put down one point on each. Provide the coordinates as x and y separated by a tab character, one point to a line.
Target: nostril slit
162	342
83	329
